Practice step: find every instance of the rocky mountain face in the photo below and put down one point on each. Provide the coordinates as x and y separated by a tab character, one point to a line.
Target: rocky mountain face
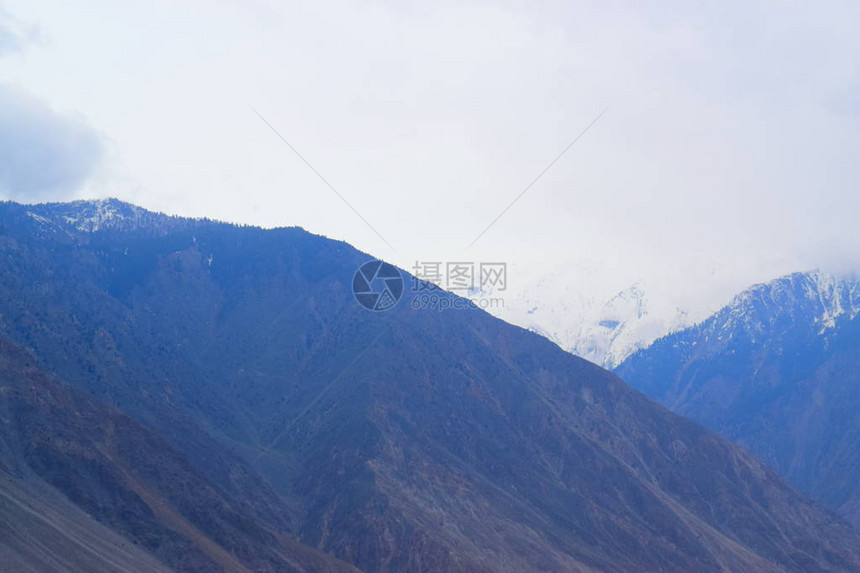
406	440
776	371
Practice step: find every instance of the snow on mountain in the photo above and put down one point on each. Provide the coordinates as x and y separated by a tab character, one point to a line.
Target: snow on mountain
100	213
607	325
814	297
91	215
801	308
585	321
94	215
87	216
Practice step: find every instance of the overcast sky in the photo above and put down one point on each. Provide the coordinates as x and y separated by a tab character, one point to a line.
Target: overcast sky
728	153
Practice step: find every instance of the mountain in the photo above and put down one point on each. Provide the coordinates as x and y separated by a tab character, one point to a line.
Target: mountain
406	440
603	331
776	371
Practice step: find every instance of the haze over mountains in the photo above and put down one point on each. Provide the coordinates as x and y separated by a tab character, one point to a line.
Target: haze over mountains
776	371
214	396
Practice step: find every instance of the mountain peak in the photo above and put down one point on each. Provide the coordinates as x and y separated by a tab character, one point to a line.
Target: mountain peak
816	296
89	215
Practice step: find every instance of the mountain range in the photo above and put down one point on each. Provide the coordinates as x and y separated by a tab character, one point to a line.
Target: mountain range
200	396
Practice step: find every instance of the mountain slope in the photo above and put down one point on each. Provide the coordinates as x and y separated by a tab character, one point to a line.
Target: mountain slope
41	531
776	371
56	440
409	440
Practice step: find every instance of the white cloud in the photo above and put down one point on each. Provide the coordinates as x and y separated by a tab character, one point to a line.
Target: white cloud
728	155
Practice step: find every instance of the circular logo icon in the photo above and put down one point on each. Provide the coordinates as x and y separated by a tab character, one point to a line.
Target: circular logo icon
377	285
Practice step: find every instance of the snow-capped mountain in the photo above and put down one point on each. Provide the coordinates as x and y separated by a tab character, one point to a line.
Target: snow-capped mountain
101	215
608	329
588	324
816	298
87	215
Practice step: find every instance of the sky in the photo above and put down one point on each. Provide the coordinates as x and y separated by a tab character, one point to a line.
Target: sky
726	153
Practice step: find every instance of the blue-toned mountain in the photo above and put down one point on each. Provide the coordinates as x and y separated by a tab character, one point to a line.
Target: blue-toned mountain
778	371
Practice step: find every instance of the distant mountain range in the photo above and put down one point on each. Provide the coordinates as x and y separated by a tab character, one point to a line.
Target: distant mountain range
199	396
778	371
